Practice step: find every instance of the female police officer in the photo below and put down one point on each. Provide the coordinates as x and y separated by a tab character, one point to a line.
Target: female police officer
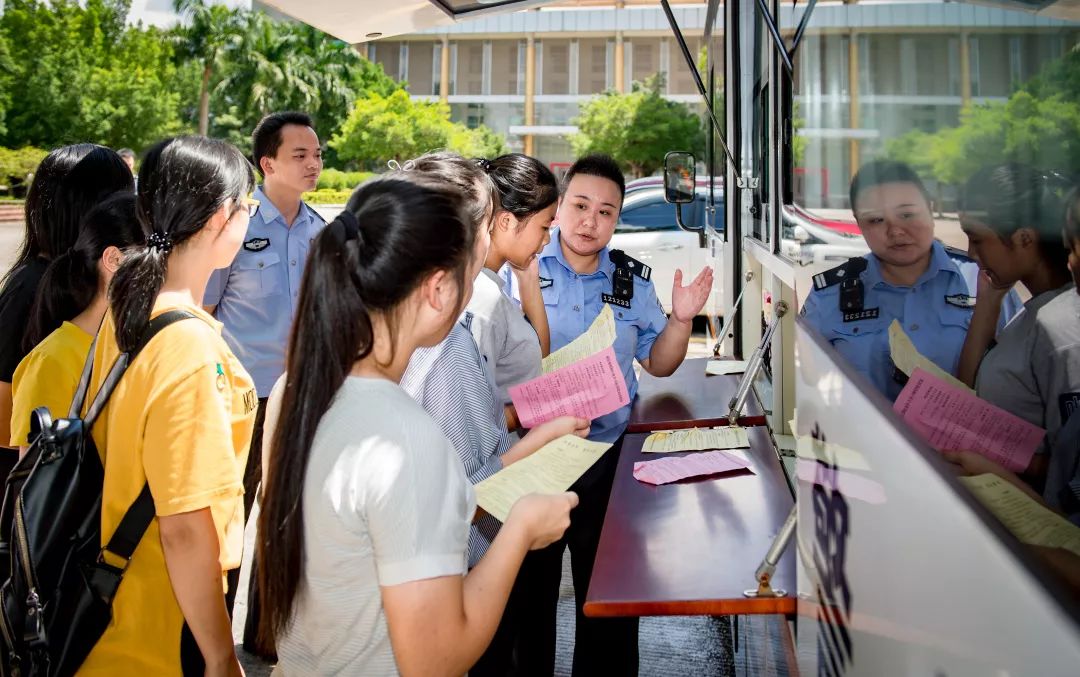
908	276
578	276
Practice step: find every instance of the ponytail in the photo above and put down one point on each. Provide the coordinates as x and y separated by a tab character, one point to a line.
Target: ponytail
183	182
72	280
395	231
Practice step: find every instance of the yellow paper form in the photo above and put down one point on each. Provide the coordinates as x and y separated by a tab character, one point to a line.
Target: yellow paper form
1030	522
907	357
696	439
806	447
724	367
601	334
549	470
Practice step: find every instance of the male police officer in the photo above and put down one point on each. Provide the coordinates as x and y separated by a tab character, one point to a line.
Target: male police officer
908	276
578	276
255	298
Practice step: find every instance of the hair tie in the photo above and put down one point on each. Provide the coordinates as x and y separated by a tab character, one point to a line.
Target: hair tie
398	167
484	163
160	241
345	227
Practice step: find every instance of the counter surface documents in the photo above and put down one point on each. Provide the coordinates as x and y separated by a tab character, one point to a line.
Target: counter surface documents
692	548
688	399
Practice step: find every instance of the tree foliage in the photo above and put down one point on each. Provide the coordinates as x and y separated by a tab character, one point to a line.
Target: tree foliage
396	127
1039	125
80	74
637	128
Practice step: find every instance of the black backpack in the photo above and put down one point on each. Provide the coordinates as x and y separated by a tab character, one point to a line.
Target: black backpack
56	598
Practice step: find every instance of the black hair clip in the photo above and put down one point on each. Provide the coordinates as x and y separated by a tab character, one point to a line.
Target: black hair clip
160	241
484	163
345	227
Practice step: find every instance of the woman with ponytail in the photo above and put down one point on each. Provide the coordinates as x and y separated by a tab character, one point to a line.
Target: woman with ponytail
366	509
179	420
67	185
512	343
71	302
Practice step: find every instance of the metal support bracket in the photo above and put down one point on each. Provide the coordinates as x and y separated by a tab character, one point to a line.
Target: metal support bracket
767	567
753	366
731	316
690	229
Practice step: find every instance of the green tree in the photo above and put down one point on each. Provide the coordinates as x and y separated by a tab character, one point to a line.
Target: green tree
395	127
206	38
83	75
637	129
479	142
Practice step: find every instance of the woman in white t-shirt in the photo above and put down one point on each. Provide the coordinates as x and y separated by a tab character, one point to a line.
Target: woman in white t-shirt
512	338
366	508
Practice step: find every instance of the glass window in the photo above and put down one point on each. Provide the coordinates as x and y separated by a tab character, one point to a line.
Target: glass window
504	67
556	67
421	55
470	67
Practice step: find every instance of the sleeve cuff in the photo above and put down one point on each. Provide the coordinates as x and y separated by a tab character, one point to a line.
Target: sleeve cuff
182	504
420	568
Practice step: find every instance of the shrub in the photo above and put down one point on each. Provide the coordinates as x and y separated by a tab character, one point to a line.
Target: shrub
16	165
335	179
328	196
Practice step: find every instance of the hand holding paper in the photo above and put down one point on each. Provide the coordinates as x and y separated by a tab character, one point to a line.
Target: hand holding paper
696	439
953	419
550	470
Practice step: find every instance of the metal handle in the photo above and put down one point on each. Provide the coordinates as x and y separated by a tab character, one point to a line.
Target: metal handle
754	365
668	247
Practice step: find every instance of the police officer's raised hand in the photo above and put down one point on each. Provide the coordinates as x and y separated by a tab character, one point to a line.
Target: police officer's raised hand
687	302
541	519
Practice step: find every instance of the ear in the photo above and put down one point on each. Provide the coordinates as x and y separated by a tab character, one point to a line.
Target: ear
217	223
437	290
111	258
505	221
1025	237
266	164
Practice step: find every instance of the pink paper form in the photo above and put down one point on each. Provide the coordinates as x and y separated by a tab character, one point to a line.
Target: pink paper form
951	419
588	388
673	469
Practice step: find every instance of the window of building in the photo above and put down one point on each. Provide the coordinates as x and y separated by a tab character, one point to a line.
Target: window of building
556	60
470	67
593	73
507	69
646	58
388	55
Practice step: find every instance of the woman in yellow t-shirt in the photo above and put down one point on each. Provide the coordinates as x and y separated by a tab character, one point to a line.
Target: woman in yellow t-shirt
179	420
71	302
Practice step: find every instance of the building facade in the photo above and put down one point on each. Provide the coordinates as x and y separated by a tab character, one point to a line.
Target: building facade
866	72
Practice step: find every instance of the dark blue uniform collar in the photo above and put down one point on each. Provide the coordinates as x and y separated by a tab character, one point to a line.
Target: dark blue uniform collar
554	250
940	262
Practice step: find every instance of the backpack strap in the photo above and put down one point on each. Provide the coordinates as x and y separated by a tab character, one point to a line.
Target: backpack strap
84	382
138	517
121	364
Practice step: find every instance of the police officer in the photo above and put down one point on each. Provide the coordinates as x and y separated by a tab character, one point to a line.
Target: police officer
578	276
907	276
255	297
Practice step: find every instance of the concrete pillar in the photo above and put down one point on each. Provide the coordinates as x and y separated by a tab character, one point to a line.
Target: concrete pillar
853	99
965	68
620	63
530	91
444	81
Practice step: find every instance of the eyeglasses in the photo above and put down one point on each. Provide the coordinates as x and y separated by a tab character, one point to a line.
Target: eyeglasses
252	205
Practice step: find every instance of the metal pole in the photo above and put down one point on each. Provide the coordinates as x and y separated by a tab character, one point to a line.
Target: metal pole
753	366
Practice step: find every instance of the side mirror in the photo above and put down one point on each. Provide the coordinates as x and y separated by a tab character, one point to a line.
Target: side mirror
799	234
680	177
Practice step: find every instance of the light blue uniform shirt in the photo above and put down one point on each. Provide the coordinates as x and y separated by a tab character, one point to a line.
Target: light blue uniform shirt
935	313
256	296
573	301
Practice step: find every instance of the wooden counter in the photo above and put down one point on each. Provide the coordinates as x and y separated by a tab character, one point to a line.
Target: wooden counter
691	548
688	398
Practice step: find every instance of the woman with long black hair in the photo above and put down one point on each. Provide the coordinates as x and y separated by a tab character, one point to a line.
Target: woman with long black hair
179	420
366	508
71	302
67	185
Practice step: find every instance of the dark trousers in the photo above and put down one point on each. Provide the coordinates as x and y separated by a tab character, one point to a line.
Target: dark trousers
602	646
252	479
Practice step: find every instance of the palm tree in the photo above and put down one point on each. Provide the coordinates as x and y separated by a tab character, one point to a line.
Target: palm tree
210	32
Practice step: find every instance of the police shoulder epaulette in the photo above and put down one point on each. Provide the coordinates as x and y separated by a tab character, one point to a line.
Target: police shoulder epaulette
619	258
955	253
845	271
